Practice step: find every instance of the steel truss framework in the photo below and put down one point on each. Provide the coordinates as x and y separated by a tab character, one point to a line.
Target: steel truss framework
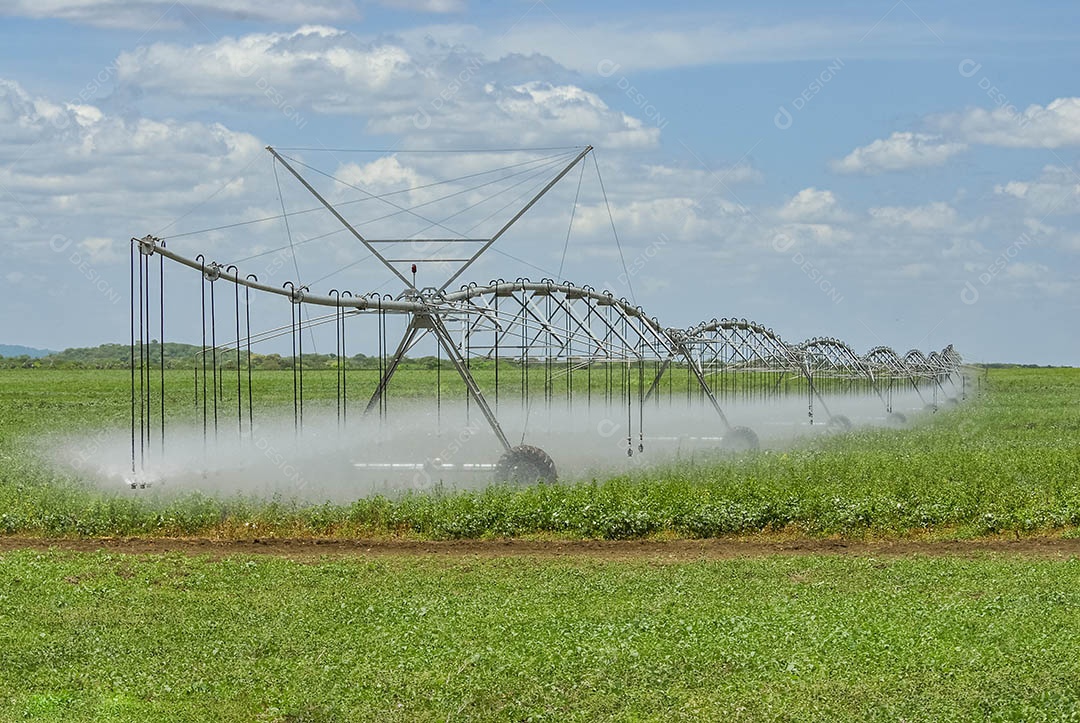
522	329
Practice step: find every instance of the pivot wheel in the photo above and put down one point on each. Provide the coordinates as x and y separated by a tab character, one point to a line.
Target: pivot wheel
740	439
525	465
895	419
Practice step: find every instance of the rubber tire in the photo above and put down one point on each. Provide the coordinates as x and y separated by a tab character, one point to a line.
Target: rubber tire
839	422
932	408
895	420
952	402
740	439
525	465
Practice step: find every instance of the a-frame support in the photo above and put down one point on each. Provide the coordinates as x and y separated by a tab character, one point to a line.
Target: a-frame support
412	334
419	326
447	342
684	352
659	375
704	385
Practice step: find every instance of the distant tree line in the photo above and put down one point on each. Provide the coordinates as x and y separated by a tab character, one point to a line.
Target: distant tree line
184	356
1006	365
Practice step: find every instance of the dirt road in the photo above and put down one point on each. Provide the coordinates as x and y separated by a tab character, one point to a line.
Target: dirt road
646	550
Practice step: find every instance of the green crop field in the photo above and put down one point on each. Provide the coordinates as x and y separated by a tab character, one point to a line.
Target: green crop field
105	637
1007	461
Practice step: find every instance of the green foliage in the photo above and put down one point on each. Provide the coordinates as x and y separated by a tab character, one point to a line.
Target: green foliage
1006	462
187	356
103	637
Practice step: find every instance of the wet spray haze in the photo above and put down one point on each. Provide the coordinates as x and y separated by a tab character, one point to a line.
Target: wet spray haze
418	447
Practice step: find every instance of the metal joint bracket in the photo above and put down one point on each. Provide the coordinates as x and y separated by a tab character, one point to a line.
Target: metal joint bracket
423	321
296	293
147	244
213	271
432	294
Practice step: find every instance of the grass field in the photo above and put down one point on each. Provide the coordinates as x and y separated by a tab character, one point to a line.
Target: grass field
1008	461
472	635
102	637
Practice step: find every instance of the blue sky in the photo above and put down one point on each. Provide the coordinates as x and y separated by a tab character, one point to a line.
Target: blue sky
888	173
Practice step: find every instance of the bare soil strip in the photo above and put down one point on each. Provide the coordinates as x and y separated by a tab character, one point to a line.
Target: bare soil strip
643	550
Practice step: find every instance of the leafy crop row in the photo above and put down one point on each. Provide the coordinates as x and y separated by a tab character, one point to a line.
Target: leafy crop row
1007	461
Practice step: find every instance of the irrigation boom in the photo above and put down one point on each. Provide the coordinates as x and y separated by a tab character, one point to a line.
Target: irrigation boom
522	327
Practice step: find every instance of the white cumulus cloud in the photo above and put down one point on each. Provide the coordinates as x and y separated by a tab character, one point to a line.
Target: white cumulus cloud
901	151
164	14
1055	125
1055	191
935	216
433	94
811	205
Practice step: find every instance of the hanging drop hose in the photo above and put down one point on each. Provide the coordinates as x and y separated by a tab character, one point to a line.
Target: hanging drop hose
142	364
671	388
629	406
569	361
549	379
594	352
239	372
380	334
641	395
689	392
337	354
292	332
656	375
524	394
384	398
522	320
213	351
144	348
468	368
608	396
438	388
202	354
339	338
344	370
161	311
495	344
134	250
149	359
300	358
247	328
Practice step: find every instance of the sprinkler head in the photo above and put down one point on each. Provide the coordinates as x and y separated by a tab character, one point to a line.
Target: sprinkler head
139	481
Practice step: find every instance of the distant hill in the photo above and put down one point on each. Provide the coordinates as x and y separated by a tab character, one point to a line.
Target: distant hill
16	350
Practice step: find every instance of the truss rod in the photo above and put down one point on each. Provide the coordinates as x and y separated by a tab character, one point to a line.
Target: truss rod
519	214
340	218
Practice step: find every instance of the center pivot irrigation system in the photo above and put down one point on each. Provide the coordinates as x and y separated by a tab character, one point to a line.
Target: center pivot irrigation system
521	342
